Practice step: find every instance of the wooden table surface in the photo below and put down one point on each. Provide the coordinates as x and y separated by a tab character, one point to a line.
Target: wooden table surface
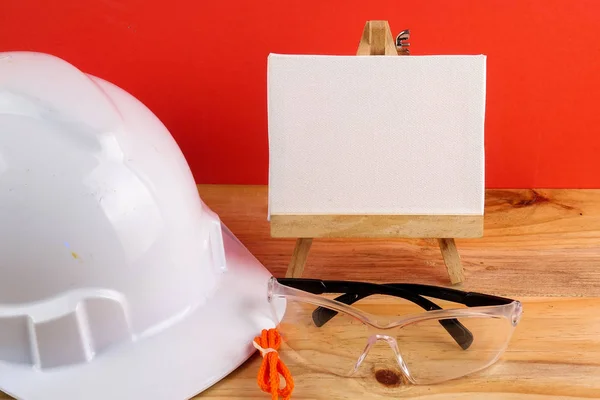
554	353
541	247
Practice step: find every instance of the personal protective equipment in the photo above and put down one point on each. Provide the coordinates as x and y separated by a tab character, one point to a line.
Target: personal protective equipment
116	280
425	347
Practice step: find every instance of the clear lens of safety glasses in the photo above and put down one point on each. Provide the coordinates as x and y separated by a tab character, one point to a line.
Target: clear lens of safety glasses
428	347
432	355
334	347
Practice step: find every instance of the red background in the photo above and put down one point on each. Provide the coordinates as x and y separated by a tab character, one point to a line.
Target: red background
201	67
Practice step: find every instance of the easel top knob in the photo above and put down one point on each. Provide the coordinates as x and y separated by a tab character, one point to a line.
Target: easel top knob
377	40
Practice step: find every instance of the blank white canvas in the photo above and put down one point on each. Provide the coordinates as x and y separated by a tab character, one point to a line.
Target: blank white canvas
376	134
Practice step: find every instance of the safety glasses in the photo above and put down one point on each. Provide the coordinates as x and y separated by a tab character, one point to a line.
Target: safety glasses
341	335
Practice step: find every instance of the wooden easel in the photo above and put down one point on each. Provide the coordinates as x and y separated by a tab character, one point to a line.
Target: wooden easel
377	40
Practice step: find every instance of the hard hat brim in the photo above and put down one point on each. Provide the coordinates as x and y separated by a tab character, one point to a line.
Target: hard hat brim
177	363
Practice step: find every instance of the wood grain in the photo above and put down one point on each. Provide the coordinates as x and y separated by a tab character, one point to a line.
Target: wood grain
535	243
376	226
554	353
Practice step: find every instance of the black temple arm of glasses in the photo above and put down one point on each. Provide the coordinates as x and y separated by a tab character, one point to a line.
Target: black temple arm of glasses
470	299
354	291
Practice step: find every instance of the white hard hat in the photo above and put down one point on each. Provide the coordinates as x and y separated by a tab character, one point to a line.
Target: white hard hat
116	280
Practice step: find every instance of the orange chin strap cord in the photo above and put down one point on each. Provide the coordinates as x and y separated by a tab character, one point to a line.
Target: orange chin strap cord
268	375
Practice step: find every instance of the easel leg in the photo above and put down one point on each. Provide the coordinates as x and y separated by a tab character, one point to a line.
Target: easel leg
452	260
299	257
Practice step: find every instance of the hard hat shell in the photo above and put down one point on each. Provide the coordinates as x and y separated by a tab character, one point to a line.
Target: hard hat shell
116	280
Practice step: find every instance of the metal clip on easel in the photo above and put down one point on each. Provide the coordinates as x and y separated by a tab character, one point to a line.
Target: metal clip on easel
402	45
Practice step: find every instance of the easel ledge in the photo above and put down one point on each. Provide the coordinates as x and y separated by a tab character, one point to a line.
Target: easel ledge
377	40
376	226
444	228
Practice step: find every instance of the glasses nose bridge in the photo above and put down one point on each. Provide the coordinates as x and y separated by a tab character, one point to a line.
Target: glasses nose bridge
393	344
372	341
386	338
